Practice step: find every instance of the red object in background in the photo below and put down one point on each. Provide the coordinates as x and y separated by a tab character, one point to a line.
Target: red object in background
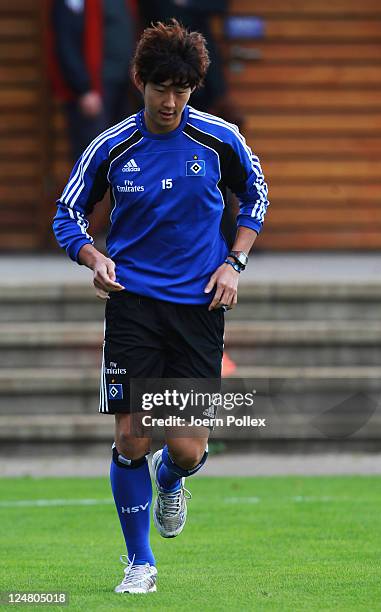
228	365
92	48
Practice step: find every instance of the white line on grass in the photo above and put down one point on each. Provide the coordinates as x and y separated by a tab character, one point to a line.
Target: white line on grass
302	498
29	503
296	498
242	500
39	503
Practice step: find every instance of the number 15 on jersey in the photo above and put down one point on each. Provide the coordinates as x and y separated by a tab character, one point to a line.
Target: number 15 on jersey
166	183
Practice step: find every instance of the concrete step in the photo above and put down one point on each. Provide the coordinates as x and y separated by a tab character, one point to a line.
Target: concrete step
321	317
77	344
54	344
257	301
244	333
284	300
307	355
56	427
311	407
320	332
309	343
47	391
50	302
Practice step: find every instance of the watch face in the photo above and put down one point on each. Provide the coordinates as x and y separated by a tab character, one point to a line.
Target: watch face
241	257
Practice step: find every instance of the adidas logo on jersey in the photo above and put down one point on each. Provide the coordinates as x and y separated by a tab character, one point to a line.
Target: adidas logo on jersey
131	166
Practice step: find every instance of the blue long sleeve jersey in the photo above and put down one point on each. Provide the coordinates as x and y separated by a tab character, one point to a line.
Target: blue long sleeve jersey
167	197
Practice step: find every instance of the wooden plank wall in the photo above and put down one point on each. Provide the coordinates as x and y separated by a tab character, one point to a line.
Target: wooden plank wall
313	114
23	126
313	108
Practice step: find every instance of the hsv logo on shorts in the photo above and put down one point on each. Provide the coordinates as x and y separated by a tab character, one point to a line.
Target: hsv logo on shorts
115	391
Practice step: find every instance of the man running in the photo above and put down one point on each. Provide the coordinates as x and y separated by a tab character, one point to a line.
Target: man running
168	276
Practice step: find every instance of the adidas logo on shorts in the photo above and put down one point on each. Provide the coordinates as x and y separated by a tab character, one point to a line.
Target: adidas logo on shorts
209	412
131	166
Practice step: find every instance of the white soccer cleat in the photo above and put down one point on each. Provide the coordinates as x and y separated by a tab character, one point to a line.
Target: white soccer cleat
170	509
137	578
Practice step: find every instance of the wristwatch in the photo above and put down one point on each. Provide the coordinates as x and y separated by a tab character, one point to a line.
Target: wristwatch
240	258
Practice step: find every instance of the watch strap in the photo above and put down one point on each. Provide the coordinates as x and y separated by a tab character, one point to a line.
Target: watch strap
235	255
234	265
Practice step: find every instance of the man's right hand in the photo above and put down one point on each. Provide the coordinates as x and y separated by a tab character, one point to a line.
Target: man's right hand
91	104
103	271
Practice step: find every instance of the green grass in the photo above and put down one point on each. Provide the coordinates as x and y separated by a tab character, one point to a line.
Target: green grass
319	553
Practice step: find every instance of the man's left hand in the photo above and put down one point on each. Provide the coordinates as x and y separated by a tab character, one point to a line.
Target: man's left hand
226	279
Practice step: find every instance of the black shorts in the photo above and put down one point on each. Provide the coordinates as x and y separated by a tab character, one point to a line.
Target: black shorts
146	338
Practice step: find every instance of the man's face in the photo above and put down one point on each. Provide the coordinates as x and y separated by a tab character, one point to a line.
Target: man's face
164	104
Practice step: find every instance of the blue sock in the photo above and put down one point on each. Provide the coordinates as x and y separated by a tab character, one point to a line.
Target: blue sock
169	474
132	490
167	479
